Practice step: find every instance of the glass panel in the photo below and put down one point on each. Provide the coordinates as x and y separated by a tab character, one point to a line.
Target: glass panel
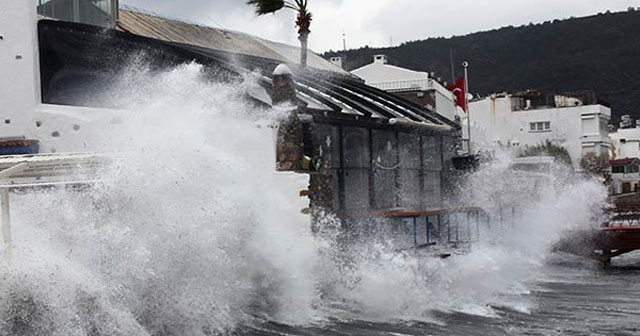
384	189
409	150
431	148
432	187
356	189
409	193
385	149
355	146
326	145
97	12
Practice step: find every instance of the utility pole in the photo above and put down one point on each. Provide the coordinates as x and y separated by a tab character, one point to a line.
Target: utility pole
453	72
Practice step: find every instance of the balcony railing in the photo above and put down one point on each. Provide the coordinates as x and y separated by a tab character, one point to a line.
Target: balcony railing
405	85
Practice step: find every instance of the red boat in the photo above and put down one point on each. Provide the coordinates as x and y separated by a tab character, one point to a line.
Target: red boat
619	236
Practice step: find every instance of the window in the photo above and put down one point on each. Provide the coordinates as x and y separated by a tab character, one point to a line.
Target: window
96	12
632	168
540	126
625	169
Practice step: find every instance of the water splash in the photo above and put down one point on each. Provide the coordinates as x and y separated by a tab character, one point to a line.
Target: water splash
528	213
192	232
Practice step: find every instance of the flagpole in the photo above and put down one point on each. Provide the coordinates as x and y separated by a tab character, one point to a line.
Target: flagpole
453	72
465	64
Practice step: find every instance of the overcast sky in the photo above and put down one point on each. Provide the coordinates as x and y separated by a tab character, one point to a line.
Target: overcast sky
378	23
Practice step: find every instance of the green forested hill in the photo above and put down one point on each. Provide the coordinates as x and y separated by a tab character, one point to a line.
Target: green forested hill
600	53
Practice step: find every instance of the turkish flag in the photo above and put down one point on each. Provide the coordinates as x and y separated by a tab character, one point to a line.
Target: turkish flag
460	92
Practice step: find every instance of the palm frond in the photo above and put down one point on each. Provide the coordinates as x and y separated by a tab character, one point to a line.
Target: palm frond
266	6
301	5
290	6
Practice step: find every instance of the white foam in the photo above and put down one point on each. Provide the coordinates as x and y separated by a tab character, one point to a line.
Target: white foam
193	231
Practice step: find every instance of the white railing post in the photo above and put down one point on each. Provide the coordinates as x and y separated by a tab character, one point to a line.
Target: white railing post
5	208
6	222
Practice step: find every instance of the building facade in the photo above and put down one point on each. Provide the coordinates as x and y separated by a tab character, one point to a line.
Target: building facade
625	176
519	120
625	155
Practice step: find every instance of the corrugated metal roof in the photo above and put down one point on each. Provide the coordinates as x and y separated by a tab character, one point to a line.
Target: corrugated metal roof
217	39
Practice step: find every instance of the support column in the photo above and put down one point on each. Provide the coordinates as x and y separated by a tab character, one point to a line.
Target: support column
6	222
415	231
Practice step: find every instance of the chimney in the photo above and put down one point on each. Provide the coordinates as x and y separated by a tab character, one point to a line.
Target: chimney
380	59
337	61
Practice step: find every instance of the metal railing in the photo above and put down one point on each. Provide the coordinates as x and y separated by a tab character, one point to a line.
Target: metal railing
102	13
43	171
448	226
404	85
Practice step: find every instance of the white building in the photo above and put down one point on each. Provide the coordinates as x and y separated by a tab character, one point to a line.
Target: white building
416	86
625	143
625	175
519	120
625	155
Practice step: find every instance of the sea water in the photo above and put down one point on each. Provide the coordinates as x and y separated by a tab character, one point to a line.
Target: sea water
192	232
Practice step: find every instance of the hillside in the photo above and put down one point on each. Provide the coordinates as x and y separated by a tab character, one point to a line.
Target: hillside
600	53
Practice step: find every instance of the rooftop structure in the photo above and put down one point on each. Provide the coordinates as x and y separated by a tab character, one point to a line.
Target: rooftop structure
419	87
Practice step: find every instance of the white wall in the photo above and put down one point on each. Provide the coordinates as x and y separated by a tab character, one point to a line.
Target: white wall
21	111
19	75
580	129
625	143
444	103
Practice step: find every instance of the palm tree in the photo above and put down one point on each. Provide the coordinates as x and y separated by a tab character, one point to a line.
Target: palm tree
303	21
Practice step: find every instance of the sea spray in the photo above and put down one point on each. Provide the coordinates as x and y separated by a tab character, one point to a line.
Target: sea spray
527	212
192	232
203	172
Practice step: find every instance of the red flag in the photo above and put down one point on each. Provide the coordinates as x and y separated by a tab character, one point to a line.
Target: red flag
460	92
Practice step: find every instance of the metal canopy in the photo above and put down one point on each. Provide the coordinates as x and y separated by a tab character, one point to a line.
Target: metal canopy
43	170
336	93
19	171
